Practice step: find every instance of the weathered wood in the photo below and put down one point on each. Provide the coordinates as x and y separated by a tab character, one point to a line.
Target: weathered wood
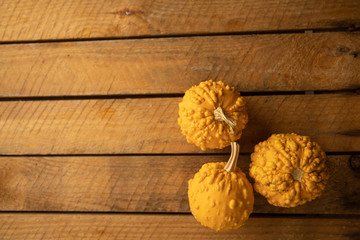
143	184
152	226
283	62
63	19
150	125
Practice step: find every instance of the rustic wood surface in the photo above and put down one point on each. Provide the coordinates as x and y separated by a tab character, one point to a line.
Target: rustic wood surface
45	19
276	62
143	184
149	125
90	147
150	226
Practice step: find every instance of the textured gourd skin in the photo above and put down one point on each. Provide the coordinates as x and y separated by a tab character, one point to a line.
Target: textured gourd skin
273	164
196	115
219	199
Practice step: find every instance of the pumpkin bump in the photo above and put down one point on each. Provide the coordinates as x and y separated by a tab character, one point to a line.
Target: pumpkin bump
289	169
212	115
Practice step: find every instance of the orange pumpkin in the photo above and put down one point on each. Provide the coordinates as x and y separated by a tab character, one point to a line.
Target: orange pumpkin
212	115
289	170
220	195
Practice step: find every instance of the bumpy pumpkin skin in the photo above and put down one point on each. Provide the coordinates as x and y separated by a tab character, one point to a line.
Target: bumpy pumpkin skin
219	199
197	120
289	170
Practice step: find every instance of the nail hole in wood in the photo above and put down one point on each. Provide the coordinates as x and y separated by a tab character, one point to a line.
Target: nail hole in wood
354	161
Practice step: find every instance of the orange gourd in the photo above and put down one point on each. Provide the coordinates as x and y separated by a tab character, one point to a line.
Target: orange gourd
220	195
212	115
289	170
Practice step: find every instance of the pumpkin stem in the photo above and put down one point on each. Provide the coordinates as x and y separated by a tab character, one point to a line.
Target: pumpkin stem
220	116
297	174
232	163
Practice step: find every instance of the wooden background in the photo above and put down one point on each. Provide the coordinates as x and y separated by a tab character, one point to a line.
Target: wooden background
89	90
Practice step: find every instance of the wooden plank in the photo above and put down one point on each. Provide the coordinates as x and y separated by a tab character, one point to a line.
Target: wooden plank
149	125
321	61
40	20
143	184
152	226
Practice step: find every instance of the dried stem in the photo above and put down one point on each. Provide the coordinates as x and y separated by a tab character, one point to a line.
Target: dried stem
297	174
220	116
232	162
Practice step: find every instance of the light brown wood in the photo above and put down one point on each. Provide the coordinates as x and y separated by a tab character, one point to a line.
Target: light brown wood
150	125
143	184
144	187
63	19
282	62
151	226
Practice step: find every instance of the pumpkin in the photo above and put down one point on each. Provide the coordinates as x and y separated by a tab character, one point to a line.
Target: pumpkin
289	169
212	115
220	195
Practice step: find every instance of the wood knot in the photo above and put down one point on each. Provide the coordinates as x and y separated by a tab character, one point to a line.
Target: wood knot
354	54
340	50
354	161
126	12
343	49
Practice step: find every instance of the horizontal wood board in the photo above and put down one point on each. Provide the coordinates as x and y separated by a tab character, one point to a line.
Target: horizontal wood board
138	226
33	20
144	184
275	62
149	125
127	186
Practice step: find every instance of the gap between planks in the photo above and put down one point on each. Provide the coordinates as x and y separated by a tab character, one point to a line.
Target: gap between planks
204	154
109	213
348	29
172	95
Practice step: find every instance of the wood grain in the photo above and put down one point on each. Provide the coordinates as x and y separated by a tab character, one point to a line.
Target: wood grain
149	125
143	184
283	62
40	20
138	226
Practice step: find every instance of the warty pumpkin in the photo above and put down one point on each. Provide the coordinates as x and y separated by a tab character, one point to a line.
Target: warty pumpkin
289	169
212	115
220	195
